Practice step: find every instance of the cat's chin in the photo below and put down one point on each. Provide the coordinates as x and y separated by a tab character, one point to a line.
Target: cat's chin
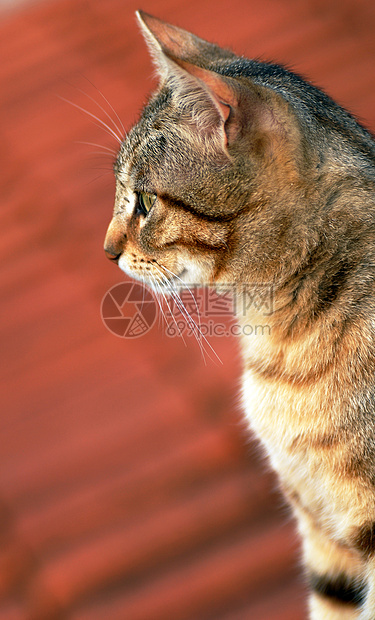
186	273
173	283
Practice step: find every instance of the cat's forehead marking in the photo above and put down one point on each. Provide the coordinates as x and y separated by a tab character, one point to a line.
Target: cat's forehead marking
125	198
122	168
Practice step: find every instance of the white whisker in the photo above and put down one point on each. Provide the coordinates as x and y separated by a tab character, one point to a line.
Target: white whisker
121	132
190	321
196	330
103	154
103	125
170	310
108	103
190	292
158	289
100	146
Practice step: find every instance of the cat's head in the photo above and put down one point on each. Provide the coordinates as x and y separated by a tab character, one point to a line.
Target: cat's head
212	182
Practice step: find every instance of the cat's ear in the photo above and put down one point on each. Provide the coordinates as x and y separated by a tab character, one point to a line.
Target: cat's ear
166	40
220	106
174	51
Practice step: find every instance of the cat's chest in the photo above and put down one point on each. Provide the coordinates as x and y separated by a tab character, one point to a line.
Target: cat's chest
295	424
288	419
274	412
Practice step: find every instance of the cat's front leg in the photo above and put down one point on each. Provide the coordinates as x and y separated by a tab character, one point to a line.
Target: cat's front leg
335	576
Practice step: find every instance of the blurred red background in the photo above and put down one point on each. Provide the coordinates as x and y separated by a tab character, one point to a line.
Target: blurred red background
130	488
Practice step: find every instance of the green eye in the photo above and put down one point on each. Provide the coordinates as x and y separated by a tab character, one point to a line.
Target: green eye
146	202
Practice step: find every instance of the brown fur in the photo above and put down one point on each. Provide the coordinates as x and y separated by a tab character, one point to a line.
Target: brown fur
259	178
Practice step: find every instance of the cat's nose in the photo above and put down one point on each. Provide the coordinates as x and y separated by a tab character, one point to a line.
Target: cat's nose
111	253
114	243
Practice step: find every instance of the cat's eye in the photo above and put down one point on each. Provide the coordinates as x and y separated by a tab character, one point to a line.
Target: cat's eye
146	202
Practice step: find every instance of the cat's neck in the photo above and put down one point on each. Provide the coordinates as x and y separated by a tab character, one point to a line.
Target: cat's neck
297	331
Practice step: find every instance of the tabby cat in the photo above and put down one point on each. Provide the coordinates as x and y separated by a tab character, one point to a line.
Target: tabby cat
240	172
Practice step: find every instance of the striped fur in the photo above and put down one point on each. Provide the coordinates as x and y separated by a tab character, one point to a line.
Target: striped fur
261	178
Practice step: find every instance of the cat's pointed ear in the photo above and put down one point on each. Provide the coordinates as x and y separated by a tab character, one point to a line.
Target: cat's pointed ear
221	106
165	39
173	49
